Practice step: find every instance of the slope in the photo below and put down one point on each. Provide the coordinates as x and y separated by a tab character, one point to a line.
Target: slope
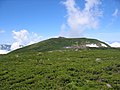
62	43
48	65
93	69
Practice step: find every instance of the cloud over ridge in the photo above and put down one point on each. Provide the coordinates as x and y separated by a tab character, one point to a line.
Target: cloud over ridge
116	13
2	31
79	20
24	37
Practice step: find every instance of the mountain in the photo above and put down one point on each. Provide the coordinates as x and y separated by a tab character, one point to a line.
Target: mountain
64	43
4	48
46	66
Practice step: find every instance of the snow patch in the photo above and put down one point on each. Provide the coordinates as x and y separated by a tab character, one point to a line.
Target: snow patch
91	45
103	45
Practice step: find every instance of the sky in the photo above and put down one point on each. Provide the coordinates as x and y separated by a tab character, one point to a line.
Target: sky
24	22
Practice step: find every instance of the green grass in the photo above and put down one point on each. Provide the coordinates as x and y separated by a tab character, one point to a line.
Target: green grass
91	69
59	44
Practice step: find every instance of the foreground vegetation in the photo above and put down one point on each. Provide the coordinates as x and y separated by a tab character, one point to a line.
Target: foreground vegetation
89	69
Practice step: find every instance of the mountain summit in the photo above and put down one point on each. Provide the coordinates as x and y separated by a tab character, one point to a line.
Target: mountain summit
61	43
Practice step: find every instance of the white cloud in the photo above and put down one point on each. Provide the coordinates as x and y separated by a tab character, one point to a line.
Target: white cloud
3	52
63	27
15	45
20	36
34	38
116	13
63	30
113	20
2	31
79	20
23	37
108	37
115	44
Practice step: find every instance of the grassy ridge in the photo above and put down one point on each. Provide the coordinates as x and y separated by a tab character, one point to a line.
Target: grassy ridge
58	44
93	69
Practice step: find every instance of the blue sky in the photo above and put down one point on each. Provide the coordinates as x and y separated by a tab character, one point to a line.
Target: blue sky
49	18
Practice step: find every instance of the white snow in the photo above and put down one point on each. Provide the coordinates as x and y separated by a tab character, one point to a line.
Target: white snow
4	51
102	44
91	45
115	44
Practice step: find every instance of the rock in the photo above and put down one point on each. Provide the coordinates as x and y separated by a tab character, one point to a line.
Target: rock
108	85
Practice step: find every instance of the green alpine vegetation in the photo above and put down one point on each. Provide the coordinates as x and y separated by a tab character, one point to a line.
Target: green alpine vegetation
61	64
62	43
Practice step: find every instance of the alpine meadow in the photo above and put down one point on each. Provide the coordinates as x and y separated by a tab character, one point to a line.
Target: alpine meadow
49	65
59	44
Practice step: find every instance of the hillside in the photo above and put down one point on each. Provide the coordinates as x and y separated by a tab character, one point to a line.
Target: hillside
94	69
63	43
49	65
